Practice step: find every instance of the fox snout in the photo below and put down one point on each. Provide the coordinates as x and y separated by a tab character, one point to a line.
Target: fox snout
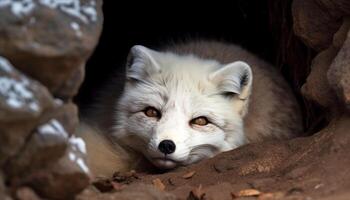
167	147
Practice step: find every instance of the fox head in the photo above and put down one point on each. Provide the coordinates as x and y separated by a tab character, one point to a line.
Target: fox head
180	109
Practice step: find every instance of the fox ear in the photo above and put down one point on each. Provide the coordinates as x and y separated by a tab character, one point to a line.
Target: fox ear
141	63
234	79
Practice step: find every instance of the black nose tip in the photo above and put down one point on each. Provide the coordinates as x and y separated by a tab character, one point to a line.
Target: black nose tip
167	146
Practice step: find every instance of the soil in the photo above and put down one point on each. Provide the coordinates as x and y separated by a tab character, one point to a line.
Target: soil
314	167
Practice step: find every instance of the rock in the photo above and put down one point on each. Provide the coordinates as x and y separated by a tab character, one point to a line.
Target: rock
21	98
3	194
317	87
264	161
341	35
45	146
317	34
22	102
339	73
335	8
316	21
64	179
67	115
139	191
25	193
51	40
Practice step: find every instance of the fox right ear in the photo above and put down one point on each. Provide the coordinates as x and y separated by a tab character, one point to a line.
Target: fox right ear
141	63
234	78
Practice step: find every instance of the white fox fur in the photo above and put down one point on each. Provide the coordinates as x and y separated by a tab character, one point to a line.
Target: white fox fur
243	98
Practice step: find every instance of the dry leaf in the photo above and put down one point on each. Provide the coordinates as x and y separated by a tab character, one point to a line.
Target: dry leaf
233	195
189	175
117	186
271	196
158	184
196	194
246	193
103	185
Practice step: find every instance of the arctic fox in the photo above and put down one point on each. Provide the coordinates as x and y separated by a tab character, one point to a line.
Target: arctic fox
187	103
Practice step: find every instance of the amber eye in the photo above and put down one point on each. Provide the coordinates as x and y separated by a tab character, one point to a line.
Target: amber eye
200	121
152	112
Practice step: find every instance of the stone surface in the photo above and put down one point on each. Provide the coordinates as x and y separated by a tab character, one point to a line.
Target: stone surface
63	179
67	114
51	40
341	35
25	193
324	76
45	146
2	187
139	191
316	21
22	102
3	195
339	73
317	87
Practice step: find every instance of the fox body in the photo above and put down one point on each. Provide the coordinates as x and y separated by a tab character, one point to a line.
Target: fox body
186	103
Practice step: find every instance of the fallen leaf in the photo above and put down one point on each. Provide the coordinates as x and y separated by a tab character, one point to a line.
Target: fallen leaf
233	195
246	193
117	186
103	185
189	175
158	184
125	177
196	194
271	196
171	182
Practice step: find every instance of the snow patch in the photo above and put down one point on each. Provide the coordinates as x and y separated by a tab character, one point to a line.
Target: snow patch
78	144
53	127
16	92
58	102
82	165
32	20
86	13
18	8
5	65
76	27
71	156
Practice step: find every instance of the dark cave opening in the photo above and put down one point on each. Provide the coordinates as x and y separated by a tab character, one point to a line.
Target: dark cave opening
262	27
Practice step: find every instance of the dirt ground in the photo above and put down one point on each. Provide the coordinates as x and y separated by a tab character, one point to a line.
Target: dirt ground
315	167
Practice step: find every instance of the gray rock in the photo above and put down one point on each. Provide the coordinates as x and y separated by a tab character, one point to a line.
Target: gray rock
3	194
25	193
45	146
23	101
339	73
51	40
65	178
315	22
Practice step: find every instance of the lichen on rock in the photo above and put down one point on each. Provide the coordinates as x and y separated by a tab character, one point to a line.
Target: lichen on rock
82	10
16	91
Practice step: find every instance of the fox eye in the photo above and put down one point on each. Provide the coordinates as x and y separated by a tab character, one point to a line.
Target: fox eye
200	121
152	112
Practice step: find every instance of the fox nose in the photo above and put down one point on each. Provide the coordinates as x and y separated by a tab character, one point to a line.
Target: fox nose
167	146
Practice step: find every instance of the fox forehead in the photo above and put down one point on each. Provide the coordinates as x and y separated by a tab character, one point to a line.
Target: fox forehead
181	79
182	95
182	76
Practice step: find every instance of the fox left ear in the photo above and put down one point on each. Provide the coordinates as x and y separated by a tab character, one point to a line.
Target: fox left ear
234	79
141	63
